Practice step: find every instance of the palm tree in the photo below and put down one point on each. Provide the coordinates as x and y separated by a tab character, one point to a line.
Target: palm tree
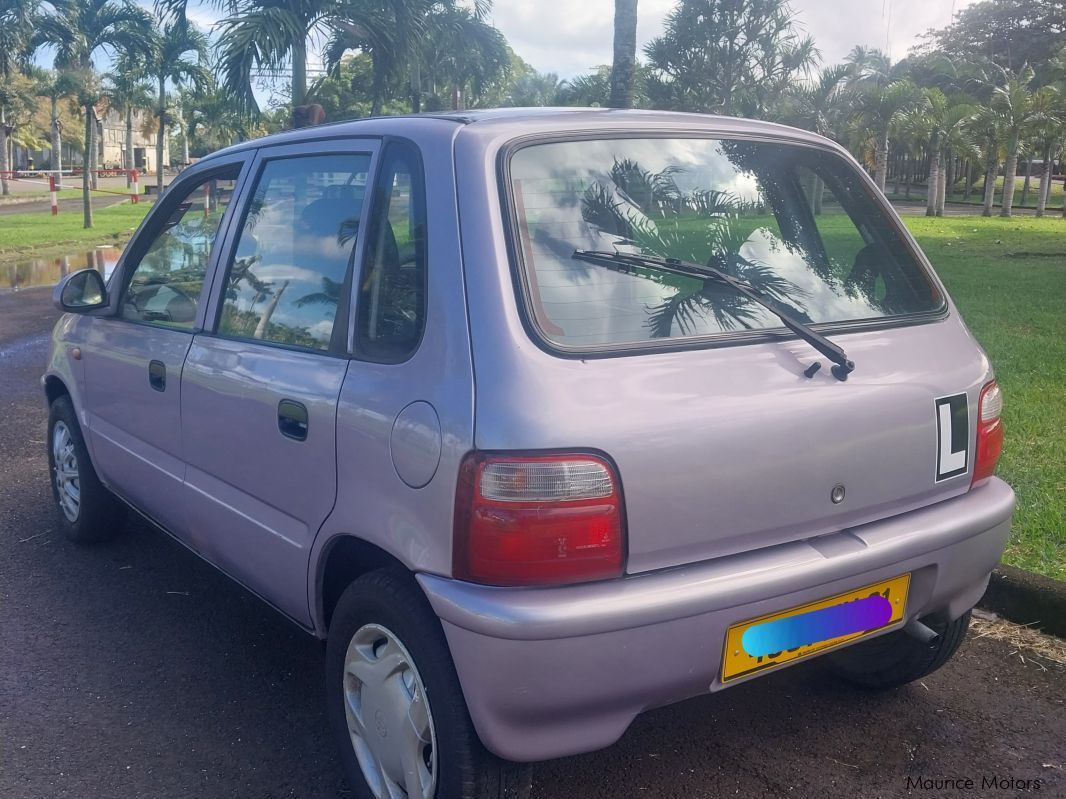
943	128
1047	138
624	66
178	54
375	36
267	35
878	109
16	31
1013	103
80	30
958	140
988	131
464	54
56	86
128	92
818	106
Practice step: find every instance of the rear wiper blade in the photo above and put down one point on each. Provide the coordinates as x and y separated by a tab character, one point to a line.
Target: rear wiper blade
625	262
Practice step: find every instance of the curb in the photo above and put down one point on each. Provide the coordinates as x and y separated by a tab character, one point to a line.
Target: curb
1027	598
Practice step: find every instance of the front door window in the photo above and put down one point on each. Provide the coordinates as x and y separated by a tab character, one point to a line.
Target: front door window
165	286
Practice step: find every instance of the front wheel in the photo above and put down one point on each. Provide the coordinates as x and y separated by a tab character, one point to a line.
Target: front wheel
898	658
88	512
395	703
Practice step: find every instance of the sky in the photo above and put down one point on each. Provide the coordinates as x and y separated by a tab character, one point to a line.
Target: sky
569	37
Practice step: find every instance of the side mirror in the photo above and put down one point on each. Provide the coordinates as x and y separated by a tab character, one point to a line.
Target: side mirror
81	291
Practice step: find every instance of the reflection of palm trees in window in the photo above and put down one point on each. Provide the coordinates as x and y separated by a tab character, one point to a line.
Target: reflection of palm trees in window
329	295
649	212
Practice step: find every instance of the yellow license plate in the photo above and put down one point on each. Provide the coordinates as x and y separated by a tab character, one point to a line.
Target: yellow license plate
808	629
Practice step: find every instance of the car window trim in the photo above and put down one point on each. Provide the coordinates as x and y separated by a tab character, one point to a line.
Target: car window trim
370	145
152	227
524	294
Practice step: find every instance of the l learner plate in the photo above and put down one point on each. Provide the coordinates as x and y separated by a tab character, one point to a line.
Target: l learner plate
770	641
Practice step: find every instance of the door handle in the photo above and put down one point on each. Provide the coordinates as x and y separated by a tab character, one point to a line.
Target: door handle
157	375
292	420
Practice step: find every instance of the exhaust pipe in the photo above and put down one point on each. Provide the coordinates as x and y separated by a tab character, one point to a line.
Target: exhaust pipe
923	633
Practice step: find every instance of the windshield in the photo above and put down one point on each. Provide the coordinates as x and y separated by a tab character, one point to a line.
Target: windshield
794	222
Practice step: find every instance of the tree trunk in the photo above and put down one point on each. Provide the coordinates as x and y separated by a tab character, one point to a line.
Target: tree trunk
94	154
819	194
949	184
5	189
56	144
299	73
1009	174
416	84
377	85
881	162
908	171
971	178
184	144
942	185
127	150
1045	183
86	203
1028	180
991	168
933	184
159	136
264	320
624	66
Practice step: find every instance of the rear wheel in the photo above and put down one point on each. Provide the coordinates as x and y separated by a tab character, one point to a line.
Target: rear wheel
88	512
898	658
395	704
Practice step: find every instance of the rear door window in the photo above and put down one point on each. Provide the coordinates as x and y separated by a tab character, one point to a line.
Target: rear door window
795	222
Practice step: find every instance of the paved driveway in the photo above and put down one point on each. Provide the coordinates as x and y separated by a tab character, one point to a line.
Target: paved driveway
135	670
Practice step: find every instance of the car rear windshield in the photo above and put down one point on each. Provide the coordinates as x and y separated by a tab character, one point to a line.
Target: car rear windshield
795	222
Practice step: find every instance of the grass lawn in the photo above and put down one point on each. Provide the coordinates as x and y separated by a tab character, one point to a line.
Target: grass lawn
1008	277
38	233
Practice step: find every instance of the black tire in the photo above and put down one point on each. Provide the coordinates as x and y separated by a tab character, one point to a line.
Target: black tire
100	515
465	769
898	658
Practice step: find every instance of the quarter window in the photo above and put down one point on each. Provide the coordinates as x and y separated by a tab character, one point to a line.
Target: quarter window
289	272
392	291
165	286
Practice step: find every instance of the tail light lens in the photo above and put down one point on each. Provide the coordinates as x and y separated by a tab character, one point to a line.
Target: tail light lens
537	520
989	433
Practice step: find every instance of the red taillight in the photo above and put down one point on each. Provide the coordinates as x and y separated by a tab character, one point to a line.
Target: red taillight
989	433
537	519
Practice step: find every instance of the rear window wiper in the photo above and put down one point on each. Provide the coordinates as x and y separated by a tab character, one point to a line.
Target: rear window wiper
624	262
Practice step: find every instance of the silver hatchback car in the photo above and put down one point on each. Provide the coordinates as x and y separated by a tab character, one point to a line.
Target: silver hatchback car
540	418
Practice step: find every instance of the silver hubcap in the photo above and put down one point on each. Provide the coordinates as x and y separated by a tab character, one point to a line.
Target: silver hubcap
389	720
65	466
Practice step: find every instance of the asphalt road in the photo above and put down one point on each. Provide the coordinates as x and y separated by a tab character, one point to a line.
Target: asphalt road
135	670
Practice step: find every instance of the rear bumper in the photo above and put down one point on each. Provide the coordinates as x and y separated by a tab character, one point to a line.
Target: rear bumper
551	672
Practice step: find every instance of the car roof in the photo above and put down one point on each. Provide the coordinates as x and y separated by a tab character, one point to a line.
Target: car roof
512	122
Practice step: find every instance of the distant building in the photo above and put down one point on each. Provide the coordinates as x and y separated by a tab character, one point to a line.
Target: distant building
111	144
112	140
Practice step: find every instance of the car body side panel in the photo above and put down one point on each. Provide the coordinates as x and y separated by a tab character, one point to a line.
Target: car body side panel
373	502
253	498
135	428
